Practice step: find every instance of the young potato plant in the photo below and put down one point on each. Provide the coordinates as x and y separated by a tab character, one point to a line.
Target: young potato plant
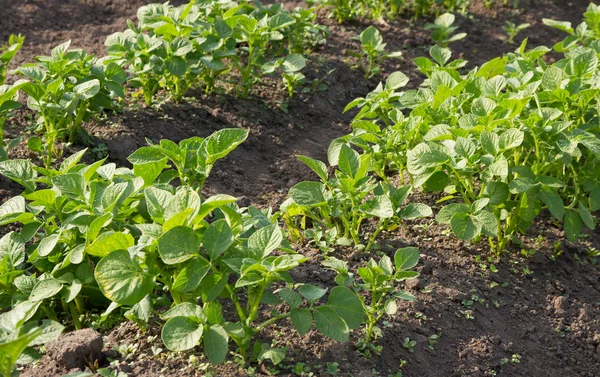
237	262
377	288
442	30
302	35
75	216
7	53
257	34
503	141
19	334
513	29
64	89
373	51
289	67
345	201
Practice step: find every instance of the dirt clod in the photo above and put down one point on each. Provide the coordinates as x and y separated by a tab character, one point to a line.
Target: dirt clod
77	349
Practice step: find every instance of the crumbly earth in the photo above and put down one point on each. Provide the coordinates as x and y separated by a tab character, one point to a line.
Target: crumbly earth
537	314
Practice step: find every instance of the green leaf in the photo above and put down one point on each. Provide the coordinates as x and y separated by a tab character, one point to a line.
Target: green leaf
215	344
217	238
317	166
302	320
572	225
276	355
464	227
222	142
497	192
185	309
87	89
48	244
595	199
308	194
490	142
293	63
265	240
190	277
292	298
445	214
181	333
345	303
553	201
414	211
70	184
349	161
379	206
586	217
512	138
178	245
406	258
121	279
464	147
396	80
489	223
330	324
44	289
109	242
311	292
141	312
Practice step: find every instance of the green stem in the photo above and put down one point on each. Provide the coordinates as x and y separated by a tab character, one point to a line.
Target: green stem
270	321
380	226
75	315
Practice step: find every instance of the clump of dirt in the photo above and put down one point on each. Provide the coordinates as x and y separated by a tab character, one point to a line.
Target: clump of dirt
77	349
72	352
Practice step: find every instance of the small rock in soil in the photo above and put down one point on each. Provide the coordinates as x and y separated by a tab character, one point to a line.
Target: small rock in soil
560	303
76	349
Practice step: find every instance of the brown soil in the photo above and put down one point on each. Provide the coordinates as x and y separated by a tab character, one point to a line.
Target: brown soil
538	315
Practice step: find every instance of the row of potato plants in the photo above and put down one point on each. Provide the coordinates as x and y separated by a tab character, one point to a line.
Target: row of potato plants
501	142
347	10
131	241
170	48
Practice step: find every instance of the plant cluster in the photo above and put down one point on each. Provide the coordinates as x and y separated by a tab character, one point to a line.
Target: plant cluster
102	237
177	48
334	210
171	48
63	90
373	51
346	10
502	141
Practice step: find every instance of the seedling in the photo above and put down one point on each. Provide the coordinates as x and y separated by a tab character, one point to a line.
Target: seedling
512	30
442	30
409	344
373	51
377	289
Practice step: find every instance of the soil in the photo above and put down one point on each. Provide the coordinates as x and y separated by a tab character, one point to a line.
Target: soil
535	312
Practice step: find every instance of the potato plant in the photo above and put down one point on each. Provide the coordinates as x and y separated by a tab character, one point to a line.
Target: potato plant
520	127
346	200
64	89
98	236
77	214
373	51
377	288
177	48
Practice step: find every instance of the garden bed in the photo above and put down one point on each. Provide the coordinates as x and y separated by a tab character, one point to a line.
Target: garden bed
537	315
